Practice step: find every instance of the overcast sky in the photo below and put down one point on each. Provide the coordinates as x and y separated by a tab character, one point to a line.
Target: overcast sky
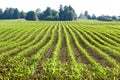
99	7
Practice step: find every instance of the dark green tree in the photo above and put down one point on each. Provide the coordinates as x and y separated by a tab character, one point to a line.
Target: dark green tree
114	18
22	14
41	16
70	15
54	13
74	13
11	13
1	14
31	16
61	13
86	13
6	14
105	18
16	14
67	13
48	13
93	17
38	11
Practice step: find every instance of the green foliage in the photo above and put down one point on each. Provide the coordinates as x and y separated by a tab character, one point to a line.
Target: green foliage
48	14
22	14
67	13
11	13
1	13
31	16
16	14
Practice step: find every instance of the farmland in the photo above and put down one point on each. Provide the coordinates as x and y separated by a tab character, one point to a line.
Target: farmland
57	50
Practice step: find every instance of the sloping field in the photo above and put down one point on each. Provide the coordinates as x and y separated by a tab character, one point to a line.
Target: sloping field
75	50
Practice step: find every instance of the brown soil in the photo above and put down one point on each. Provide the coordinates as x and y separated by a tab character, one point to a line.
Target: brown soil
80	58
117	58
38	73
64	53
104	39
93	53
47	55
38	48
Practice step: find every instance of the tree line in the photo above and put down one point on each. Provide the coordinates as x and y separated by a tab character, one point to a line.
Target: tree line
101	18
65	13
